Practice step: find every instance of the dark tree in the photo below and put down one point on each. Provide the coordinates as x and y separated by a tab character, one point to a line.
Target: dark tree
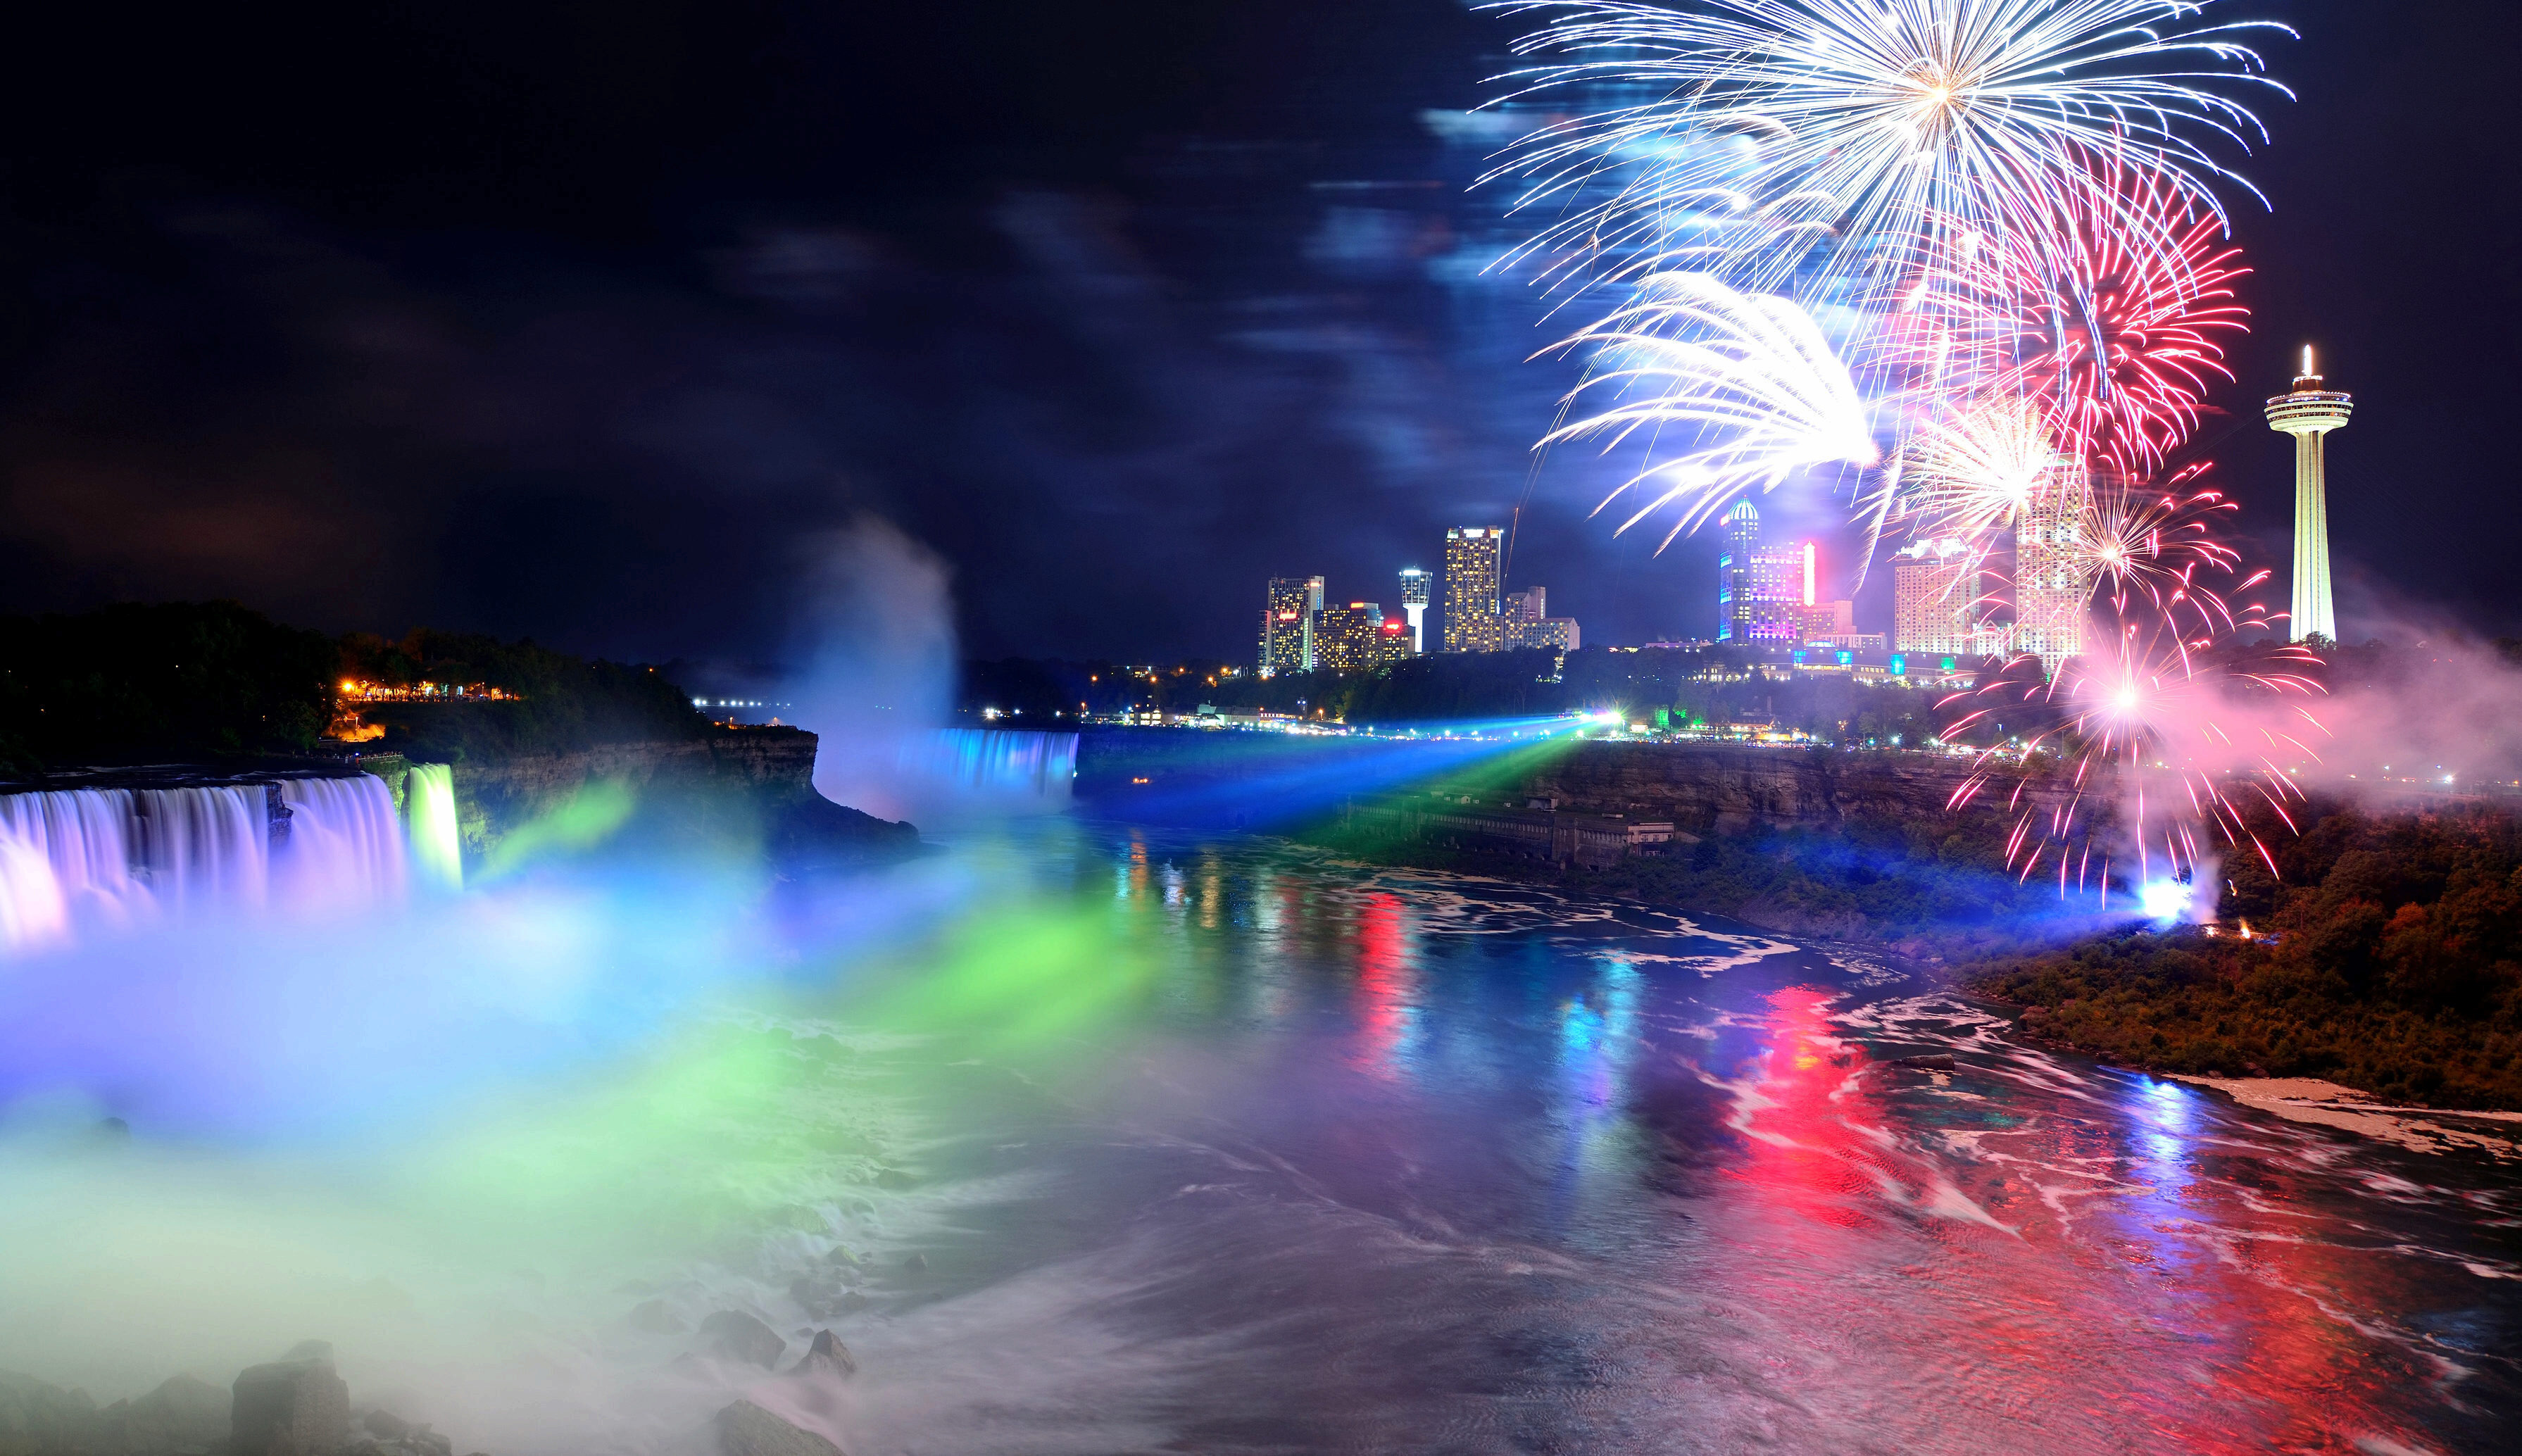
176	679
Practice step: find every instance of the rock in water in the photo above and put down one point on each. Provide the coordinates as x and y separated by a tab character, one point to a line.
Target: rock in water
1939	1061
740	1336
655	1318
747	1429
290	1408
826	1356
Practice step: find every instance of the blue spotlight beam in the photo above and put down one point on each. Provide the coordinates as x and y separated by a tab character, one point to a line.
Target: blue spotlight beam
1197	779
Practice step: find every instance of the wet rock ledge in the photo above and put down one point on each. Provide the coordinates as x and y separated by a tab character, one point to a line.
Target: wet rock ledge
298	1405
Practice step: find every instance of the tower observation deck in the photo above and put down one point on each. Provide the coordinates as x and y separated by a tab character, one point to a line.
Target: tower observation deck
2308	412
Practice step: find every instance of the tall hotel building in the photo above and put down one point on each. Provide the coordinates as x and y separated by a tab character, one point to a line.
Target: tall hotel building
1352	639
2052	585
1288	625
1473	566
1528	622
1935	595
1762	594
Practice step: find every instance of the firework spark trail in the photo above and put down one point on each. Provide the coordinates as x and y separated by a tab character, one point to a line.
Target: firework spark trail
1974	476
2152	546
1748	378
2011	204
2115	333
1772	135
2141	698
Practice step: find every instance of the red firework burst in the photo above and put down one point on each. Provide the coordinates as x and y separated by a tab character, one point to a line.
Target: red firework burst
2112	328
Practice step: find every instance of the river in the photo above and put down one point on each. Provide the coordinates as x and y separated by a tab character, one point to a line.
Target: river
1227	1145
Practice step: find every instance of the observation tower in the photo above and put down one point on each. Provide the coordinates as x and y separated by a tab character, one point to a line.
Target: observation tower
2306	413
1414	605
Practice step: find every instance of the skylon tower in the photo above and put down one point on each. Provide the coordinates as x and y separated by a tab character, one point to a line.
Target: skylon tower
2308	412
1414	605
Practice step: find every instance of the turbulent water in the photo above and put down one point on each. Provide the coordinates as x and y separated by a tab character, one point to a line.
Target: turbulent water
1227	1146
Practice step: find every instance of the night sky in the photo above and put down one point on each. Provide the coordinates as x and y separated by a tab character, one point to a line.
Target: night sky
588	323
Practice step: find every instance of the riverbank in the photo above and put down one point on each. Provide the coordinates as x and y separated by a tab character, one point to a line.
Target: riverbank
2309	1100
2383	955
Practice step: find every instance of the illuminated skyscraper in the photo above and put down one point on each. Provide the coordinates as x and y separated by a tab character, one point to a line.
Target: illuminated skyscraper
1528	622
1935	593
1394	640
1414	605
1761	593
1349	639
1473	566
1734	573
2308	413
1288	625
2053	585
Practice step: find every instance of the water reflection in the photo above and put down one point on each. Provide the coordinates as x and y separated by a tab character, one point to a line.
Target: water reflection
1563	1176
1386	1009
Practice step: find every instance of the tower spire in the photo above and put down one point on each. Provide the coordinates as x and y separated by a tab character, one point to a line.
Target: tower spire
2308	412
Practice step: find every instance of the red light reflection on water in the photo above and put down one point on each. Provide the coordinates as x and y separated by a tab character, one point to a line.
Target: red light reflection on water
2082	1271
1798	1114
1386	1006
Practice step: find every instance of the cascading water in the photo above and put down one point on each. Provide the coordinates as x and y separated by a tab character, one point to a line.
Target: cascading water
345	845
75	862
437	856
205	848
1016	768
68	865
31	910
81	860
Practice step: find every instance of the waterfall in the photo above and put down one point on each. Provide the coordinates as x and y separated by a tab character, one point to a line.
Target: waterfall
202	848
32	913
1005	764
95	860
345	846
75	849
437	856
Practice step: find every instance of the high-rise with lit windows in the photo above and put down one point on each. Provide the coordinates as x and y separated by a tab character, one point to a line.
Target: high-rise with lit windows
1528	622
1473	564
2053	584
1935	594
1288	625
1762	593
1349	639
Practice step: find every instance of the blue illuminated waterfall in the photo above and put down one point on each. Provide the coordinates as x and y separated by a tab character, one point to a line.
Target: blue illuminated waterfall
997	766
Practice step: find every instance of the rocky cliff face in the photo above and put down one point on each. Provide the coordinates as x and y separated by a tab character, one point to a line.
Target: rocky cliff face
494	798
752	785
1729	787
